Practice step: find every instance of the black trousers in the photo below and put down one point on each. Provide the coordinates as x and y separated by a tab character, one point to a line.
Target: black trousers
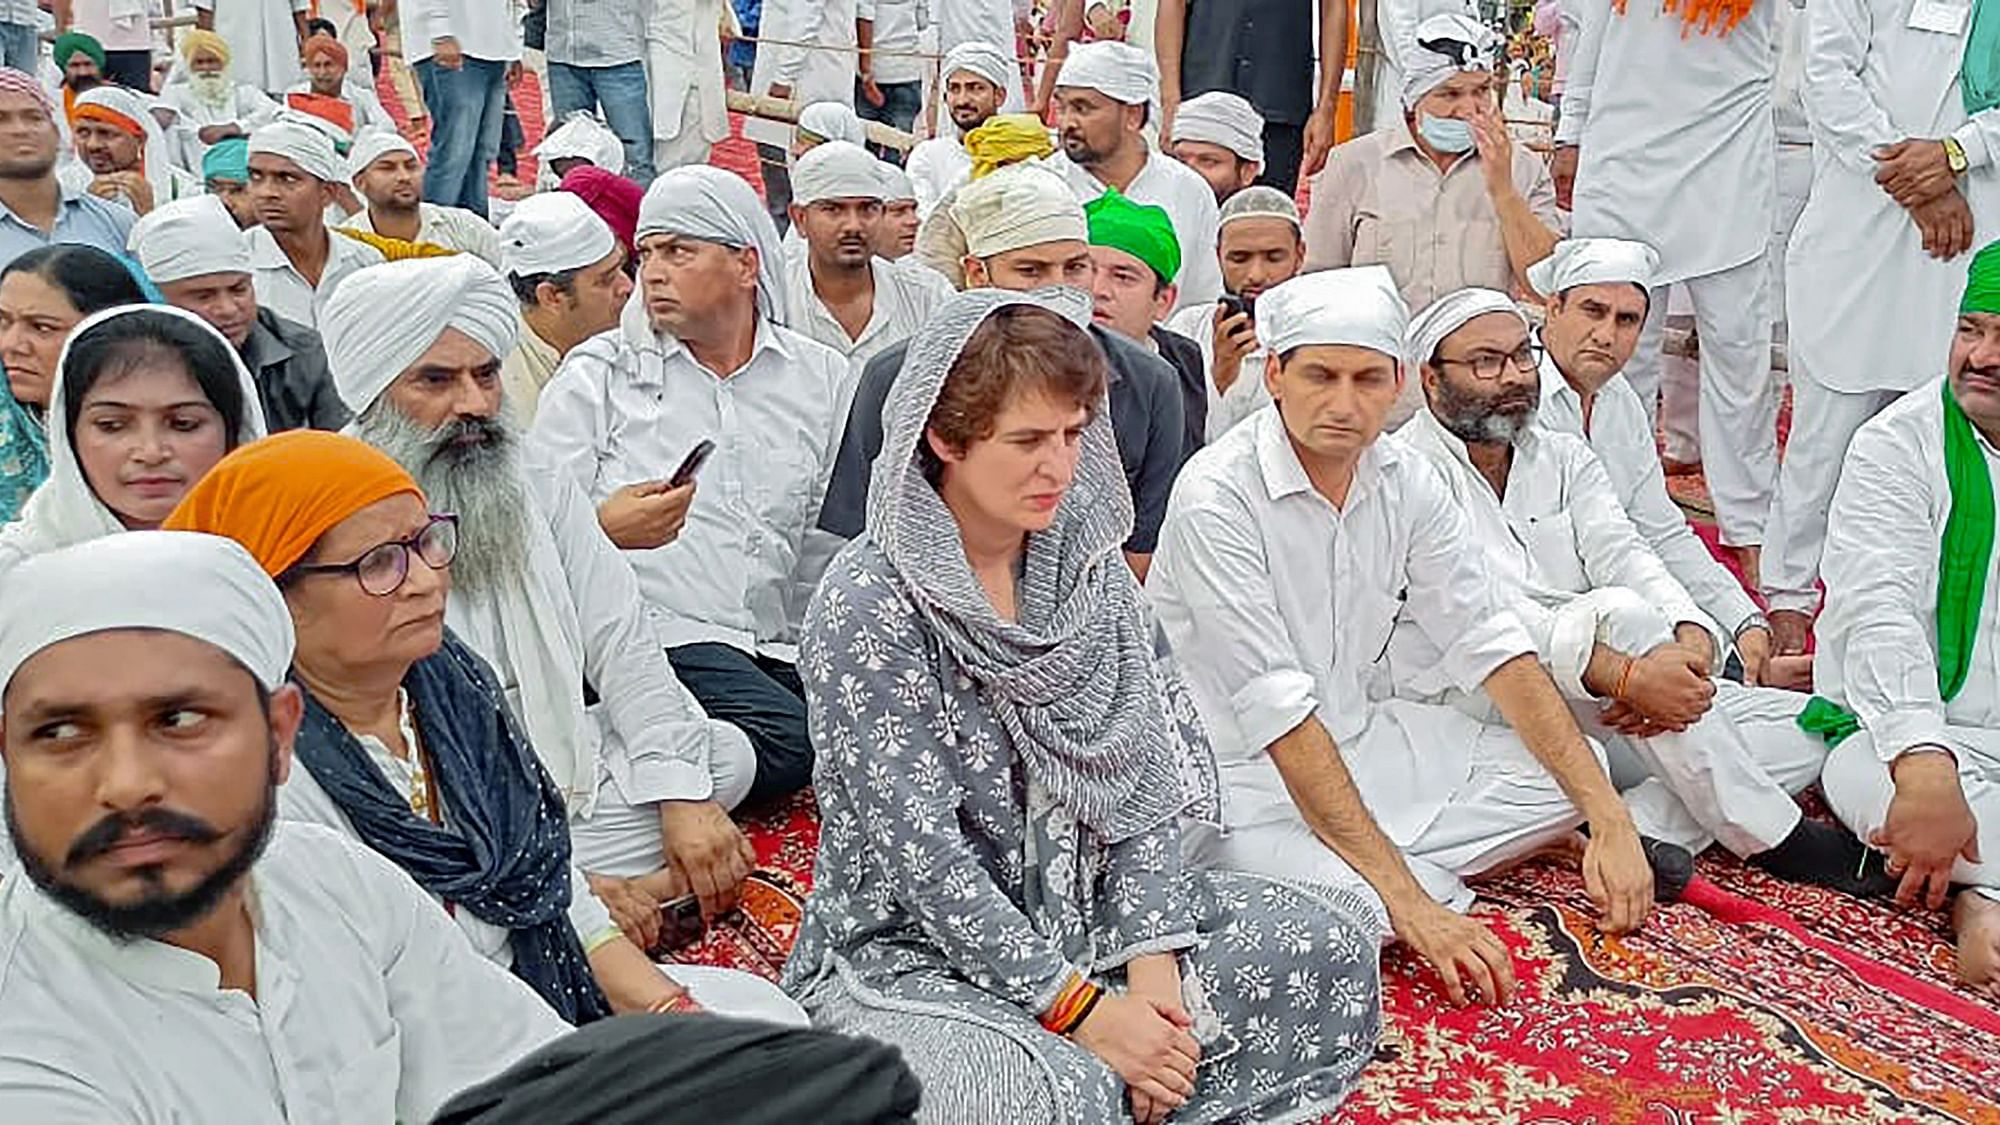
1284	151
761	697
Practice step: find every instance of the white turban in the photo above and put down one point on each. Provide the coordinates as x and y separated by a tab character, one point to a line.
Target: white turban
373	145
308	147
1594	261
1119	71
832	121
200	586
191	237
1222	118
1472	50
1450	313
705	202
896	185
553	232
1260	201
1019	205
154	161
980	59
1358	306
835	170
581	136
382	319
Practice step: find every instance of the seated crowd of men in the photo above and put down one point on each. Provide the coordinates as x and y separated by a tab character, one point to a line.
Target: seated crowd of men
525	635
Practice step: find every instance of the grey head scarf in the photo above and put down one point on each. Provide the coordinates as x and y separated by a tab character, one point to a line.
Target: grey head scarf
716	205
1076	679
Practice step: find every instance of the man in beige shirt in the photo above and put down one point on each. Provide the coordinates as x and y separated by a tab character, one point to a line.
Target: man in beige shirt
568	270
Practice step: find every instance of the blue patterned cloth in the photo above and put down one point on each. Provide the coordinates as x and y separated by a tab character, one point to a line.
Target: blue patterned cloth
24	455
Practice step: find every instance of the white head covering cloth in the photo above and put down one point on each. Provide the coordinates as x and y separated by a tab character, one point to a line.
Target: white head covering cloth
154	158
1260	201
896	185
384	317
580	136
982	60
836	170
1429	69
1450	313
1222	118
553	232
714	205
309	147
1019	205
1595	261
833	121
373	145
1119	71
1359	306
200	586
65	510
186	238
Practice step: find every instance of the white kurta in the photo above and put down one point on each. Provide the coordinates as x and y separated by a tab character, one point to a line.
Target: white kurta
370	1006
684	69
1246	396
1678	146
247	107
263	39
1396	23
285	291
937	167
821	72
453	228
1869	309
905	295
1189	202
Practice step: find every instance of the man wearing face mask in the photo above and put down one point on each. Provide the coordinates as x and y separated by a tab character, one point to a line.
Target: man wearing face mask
1443	198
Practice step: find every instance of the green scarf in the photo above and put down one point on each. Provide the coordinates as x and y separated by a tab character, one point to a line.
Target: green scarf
1979	75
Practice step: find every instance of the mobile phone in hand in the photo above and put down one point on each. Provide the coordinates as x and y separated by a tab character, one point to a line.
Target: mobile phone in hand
1232	304
691	464
681	924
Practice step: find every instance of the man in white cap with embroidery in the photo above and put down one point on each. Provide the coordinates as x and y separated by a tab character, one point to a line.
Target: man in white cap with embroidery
702	356
568	272
974	76
120	141
1105	95
1261	247
387	172
896	234
295	260
1293	548
537	590
130	922
1705	760
1221	137
840	293
201	262
1670	140
1596	292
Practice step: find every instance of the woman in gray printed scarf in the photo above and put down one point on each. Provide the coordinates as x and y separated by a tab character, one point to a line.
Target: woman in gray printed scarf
1005	753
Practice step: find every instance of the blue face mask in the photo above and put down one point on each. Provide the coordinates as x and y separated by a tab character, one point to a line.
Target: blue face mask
1446	134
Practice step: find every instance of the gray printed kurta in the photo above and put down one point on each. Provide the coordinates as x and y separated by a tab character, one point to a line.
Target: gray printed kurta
952	900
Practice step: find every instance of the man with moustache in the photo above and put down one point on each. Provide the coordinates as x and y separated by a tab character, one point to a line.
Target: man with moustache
541	594
42	208
975	77
1261	246
386	170
1221	137
295	260
568	270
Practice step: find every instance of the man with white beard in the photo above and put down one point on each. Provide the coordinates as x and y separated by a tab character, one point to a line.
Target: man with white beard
538	591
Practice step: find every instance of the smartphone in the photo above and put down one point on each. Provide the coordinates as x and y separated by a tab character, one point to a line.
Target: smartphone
681	924
1234	304
691	464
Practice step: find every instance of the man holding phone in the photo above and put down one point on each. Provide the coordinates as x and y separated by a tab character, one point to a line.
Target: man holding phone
1261	246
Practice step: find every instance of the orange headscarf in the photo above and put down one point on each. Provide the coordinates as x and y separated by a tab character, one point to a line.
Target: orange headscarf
277	496
321	45
105	114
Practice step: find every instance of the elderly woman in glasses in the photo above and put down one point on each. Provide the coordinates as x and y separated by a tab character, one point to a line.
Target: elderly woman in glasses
407	744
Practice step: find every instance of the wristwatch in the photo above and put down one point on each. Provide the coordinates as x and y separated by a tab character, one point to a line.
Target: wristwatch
1954	156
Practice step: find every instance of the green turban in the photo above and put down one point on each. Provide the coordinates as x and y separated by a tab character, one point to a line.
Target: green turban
70	42
1982	282
1140	229
227	159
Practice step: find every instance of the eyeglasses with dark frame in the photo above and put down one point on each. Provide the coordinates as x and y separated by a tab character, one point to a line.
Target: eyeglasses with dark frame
1488	365
382	569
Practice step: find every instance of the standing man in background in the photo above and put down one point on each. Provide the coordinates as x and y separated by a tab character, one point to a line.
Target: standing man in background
462	51
684	71
889	87
264	40
20	46
597	52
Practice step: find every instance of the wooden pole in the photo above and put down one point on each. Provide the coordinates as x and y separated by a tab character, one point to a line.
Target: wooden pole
1367	56
784	109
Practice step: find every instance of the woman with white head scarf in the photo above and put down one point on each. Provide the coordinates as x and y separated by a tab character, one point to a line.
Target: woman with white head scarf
146	399
1005	756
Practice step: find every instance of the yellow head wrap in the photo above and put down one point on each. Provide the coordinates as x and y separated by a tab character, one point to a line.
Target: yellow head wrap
1007	138
195	40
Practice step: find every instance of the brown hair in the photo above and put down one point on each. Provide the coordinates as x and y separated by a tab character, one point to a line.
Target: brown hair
1019	350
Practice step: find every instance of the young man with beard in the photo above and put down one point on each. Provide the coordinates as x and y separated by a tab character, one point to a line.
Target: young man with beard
841	294
294	259
540	593
35	208
1261	246
1106	94
121	143
568	270
1632	654
192	251
390	177
975	76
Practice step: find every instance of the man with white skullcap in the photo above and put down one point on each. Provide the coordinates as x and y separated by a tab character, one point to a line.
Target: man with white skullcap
1105	95
133	940
1261	247
118	138
1596	291
702	377
537	589
896	234
1653	117
975	77
1294	546
1221	137
568	272
1024	230
201	262
841	294
1441	195
295	260
1630	650
386	170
